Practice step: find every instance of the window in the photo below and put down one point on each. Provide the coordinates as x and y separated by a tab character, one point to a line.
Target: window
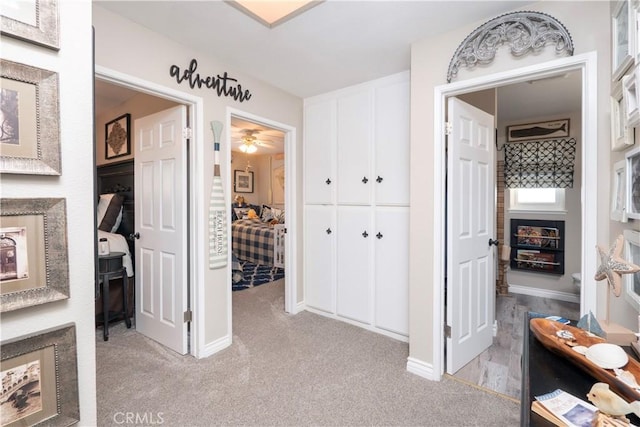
537	199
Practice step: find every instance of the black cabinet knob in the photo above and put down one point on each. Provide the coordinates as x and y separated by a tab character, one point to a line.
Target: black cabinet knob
379	235
328	181
365	180
365	234
379	179
328	230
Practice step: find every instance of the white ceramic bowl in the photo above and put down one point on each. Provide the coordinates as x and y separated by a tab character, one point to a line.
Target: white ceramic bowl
607	356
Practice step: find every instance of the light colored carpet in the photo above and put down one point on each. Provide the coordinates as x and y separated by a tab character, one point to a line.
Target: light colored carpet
302	370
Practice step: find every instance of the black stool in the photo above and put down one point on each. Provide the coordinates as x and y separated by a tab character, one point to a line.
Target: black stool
110	267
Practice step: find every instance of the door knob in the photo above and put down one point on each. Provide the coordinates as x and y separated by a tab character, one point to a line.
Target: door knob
494	242
134	236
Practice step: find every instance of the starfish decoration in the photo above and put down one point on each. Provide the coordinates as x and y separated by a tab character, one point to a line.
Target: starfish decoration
612	266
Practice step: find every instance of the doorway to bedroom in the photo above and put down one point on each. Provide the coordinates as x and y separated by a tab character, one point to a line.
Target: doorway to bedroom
145	116
260	154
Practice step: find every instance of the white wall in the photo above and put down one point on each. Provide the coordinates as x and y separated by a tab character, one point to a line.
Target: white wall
73	64
429	61
149	56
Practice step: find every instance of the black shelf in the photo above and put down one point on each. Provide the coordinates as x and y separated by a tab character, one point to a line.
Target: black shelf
537	246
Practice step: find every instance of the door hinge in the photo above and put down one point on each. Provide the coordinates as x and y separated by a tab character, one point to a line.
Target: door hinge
448	128
188	316
187	133
447	331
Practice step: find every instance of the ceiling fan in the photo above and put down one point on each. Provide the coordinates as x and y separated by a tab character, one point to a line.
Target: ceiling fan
249	142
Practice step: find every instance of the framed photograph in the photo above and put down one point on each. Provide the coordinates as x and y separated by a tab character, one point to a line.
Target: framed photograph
242	181
632	255
622	38
117	137
40	379
633	184
34	267
29	132
540	130
622	136
35	21
630	95
618	191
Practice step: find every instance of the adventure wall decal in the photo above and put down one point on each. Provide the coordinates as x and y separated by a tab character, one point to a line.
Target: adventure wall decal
223	85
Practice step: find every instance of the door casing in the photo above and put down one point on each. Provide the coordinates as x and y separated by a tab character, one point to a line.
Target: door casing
197	223
585	63
290	205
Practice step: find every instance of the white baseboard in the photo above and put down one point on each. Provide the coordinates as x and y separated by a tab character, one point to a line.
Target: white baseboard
215	346
422	369
545	293
300	307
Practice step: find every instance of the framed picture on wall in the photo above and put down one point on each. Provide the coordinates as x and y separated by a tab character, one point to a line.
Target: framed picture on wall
40	371
540	130
117	134
242	181
622	136
622	38
35	21
632	255
633	183
33	237
618	191
29	133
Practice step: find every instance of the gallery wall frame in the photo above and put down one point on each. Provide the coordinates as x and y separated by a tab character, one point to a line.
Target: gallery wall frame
34	251
632	190
622	136
631	96
48	361
29	146
539	130
618	191
622	38
117	137
632	255
34	21
242	181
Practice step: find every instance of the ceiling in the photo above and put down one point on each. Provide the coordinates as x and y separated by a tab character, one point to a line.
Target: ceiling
330	46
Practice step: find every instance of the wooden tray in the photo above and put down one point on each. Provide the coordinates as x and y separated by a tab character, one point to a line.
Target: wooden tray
545	331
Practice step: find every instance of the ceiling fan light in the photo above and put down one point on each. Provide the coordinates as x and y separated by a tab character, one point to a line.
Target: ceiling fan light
248	148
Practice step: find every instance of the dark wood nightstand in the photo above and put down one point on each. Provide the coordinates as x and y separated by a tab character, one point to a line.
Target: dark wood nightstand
110	267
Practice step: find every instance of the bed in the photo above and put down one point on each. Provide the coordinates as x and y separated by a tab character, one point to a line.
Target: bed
115	222
258	242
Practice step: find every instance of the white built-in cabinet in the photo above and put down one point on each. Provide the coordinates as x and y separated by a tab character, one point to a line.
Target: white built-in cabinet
356	204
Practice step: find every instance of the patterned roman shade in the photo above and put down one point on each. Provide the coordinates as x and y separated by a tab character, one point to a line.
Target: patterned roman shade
540	164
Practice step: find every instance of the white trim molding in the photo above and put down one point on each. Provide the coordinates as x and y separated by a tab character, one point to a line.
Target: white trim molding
544	293
422	369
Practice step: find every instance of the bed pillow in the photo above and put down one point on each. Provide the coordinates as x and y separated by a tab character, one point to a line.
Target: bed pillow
110	212
241	213
266	215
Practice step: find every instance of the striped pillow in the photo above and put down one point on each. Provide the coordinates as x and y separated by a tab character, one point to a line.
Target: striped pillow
110	212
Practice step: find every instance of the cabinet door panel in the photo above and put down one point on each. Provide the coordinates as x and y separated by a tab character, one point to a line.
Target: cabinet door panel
392	144
392	269
354	148
354	263
319	249
319	152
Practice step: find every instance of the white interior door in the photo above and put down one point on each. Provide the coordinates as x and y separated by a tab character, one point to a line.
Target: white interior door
470	226
160	218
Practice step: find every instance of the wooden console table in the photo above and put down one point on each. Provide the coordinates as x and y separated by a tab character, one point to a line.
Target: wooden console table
544	371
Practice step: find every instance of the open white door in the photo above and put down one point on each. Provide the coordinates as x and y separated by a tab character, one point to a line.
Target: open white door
160	220
470	229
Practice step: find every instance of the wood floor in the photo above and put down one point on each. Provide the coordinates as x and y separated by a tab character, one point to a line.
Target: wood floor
498	367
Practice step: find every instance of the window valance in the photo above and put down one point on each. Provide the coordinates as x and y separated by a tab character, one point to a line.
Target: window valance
540	164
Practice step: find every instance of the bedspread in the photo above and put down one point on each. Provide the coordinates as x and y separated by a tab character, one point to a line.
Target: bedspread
253	240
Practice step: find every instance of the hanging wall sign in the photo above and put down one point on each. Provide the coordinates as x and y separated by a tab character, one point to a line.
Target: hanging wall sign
222	84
